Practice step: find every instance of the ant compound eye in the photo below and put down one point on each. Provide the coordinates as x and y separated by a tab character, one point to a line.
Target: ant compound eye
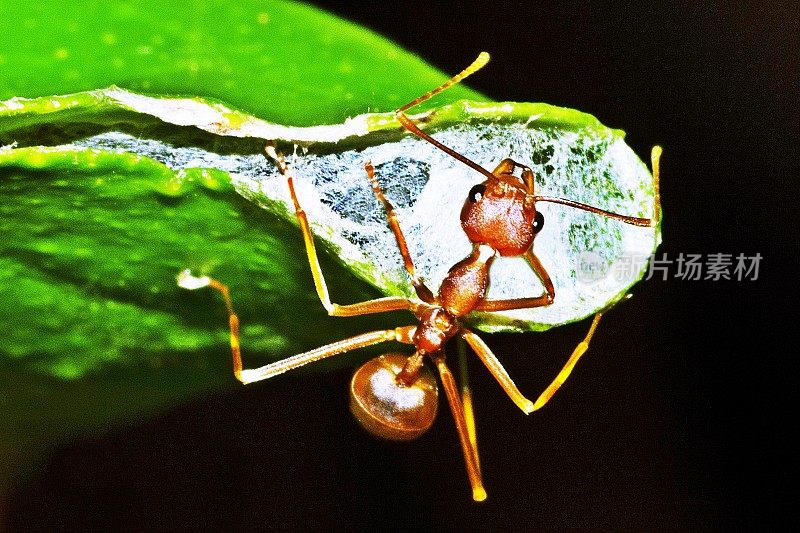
538	222
387	408
476	193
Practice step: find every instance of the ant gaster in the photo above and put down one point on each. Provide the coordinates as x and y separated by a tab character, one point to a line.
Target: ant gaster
394	396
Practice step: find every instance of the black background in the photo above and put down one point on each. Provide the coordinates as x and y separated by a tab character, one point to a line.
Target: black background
672	421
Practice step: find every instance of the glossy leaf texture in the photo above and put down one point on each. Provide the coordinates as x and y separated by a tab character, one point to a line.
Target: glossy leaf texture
278	59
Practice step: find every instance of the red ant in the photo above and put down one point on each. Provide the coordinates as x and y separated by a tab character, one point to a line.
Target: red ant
394	396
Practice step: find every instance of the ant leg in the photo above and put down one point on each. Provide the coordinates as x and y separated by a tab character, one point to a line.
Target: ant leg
187	281
379	305
567	370
466	398
470	452
502	377
536	264
421	289
496	369
402	334
525	303
579	350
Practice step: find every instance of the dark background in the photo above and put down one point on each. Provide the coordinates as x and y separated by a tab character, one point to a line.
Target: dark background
674	420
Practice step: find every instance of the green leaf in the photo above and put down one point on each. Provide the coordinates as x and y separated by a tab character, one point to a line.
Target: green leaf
106	194
572	154
280	60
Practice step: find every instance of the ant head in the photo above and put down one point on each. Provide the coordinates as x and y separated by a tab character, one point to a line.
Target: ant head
388	408
501	211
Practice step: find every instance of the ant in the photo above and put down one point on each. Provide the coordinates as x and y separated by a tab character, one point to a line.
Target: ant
394	396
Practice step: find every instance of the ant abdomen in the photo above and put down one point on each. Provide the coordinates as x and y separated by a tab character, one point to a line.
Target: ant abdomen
387	407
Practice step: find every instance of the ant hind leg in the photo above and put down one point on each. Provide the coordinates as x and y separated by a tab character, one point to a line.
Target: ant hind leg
470	452
562	376
466	398
497	370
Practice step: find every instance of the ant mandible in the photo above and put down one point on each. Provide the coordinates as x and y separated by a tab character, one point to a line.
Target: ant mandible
395	396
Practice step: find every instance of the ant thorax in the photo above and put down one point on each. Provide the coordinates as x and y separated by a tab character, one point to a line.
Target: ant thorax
436	327
467	281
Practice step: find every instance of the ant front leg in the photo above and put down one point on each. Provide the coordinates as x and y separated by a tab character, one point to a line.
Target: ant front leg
524	303
378	305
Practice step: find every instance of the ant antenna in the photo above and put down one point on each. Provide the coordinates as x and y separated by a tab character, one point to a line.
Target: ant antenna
655	156
636	221
476	65
479	63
